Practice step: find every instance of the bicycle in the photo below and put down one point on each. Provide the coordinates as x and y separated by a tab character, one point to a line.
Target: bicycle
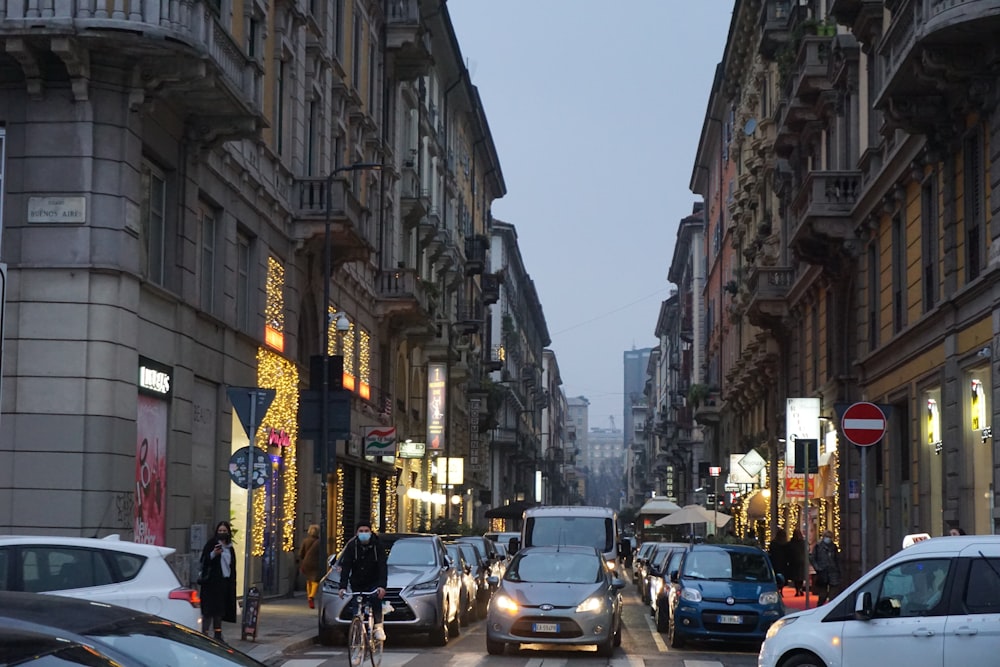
361	642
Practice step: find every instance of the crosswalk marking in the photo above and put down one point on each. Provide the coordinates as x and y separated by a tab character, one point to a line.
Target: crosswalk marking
304	662
657	639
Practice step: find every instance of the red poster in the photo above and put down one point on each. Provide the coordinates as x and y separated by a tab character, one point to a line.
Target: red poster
151	472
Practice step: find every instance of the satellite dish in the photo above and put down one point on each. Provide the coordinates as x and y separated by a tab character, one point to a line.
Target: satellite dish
750	126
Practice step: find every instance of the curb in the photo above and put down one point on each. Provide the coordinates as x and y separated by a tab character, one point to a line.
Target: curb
270	651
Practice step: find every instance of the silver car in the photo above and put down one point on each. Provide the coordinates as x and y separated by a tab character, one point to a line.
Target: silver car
424	591
556	595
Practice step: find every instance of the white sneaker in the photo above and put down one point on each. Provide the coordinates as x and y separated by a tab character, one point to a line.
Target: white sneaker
379	632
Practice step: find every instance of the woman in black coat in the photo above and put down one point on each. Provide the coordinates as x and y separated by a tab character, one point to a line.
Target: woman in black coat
218	580
797	564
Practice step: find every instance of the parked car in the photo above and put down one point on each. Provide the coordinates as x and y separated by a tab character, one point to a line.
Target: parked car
639	562
481	570
556	595
658	577
424	591
125	637
470	589
934	604
489	550
659	551
663	600
110	570
726	592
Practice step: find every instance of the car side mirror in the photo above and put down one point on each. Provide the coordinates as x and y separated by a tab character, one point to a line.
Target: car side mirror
674	577
513	546
863	609
618	584
468	569
780	578
493	580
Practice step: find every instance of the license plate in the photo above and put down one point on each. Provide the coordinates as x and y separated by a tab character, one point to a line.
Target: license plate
545	627
731	620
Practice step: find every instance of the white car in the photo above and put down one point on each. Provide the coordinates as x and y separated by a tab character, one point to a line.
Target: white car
934	604
109	570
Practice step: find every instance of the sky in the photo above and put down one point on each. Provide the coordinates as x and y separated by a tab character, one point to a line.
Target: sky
596	109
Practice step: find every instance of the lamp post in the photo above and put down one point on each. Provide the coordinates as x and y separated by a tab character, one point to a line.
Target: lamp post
324	471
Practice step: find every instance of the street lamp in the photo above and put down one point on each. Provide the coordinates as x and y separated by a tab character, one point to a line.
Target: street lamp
342	325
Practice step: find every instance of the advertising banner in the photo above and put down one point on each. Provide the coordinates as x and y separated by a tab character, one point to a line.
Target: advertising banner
151	472
379	440
436	395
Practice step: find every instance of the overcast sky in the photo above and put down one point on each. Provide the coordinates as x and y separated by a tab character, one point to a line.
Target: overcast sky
596	108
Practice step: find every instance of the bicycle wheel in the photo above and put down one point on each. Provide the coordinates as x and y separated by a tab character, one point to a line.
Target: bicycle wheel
375	650
356	643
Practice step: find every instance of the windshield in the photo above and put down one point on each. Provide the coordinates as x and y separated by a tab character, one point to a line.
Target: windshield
411	552
556	568
584	531
731	565
160	644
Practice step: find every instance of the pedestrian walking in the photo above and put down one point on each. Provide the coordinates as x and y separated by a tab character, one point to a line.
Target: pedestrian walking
218	581
363	567
797	570
309	563
778	551
826	561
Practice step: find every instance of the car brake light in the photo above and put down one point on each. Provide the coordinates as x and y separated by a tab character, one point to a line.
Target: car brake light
187	594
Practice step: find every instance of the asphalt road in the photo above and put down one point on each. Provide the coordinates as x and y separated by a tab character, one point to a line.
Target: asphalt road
641	646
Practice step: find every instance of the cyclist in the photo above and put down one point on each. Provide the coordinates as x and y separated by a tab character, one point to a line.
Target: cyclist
363	566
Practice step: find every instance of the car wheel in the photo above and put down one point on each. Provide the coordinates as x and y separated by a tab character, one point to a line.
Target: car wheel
439	635
674	639
483	605
618	634
606	649
330	636
466	616
804	660
494	647
662	618
453	624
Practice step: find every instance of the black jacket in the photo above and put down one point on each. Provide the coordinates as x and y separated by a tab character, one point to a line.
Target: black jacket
363	565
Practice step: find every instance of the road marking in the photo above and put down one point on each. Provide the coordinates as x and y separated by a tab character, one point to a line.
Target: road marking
397	659
660	644
303	662
702	663
534	662
627	661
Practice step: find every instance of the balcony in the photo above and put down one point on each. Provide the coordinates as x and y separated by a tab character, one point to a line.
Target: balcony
768	287
414	203
470	317
178	48
821	213
864	17
351	230
774	16
403	299
811	68
406	40
490	284
475	254
495	362
930	47
708	410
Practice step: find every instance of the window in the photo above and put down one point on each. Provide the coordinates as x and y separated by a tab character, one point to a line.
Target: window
356	54
62	568
814	347
898	273
243	276
913	588
982	592
3	161
207	263
974	228
312	137
873	271
372	82
279	108
831	339
929	241
152	211
254	36
338	29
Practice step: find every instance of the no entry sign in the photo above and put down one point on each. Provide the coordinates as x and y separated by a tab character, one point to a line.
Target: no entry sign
863	424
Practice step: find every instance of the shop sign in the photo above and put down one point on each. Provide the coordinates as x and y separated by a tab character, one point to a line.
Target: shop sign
155	379
379	440
412	450
436	396
795	484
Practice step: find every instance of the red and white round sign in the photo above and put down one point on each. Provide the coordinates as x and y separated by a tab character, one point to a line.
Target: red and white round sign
863	424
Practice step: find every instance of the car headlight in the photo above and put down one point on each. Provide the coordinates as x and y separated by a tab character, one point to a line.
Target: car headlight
769	598
657	586
504	603
591	604
778	625
611	565
691	594
428	586
330	586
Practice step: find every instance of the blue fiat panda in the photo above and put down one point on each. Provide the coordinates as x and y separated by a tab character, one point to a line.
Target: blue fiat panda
724	592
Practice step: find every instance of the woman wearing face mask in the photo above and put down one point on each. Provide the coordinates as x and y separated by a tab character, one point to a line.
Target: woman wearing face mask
218	589
826	560
363	567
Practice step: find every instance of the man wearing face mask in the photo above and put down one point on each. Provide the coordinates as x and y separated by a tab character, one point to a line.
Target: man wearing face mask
826	560
364	568
218	581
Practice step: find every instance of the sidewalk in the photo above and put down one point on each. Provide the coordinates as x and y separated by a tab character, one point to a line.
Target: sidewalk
793	604
284	624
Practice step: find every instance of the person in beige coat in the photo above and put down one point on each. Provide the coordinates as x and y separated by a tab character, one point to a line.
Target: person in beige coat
309	563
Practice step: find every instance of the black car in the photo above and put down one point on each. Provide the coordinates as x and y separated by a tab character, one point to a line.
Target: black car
125	637
481	570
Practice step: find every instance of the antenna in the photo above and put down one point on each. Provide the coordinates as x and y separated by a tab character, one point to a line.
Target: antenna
750	126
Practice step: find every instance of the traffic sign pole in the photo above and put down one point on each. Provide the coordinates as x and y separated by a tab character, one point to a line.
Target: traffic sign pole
864	424
247	542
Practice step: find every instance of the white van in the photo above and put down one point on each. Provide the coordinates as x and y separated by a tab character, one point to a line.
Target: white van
933	604
573	525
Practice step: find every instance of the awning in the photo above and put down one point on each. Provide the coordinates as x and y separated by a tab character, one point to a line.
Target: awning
511	511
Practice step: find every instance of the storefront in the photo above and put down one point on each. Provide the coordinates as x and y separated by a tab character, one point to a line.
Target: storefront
152	420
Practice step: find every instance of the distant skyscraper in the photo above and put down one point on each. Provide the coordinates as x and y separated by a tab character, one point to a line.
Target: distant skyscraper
635	362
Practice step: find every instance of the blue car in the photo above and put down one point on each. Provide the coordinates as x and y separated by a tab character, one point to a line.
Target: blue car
724	592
